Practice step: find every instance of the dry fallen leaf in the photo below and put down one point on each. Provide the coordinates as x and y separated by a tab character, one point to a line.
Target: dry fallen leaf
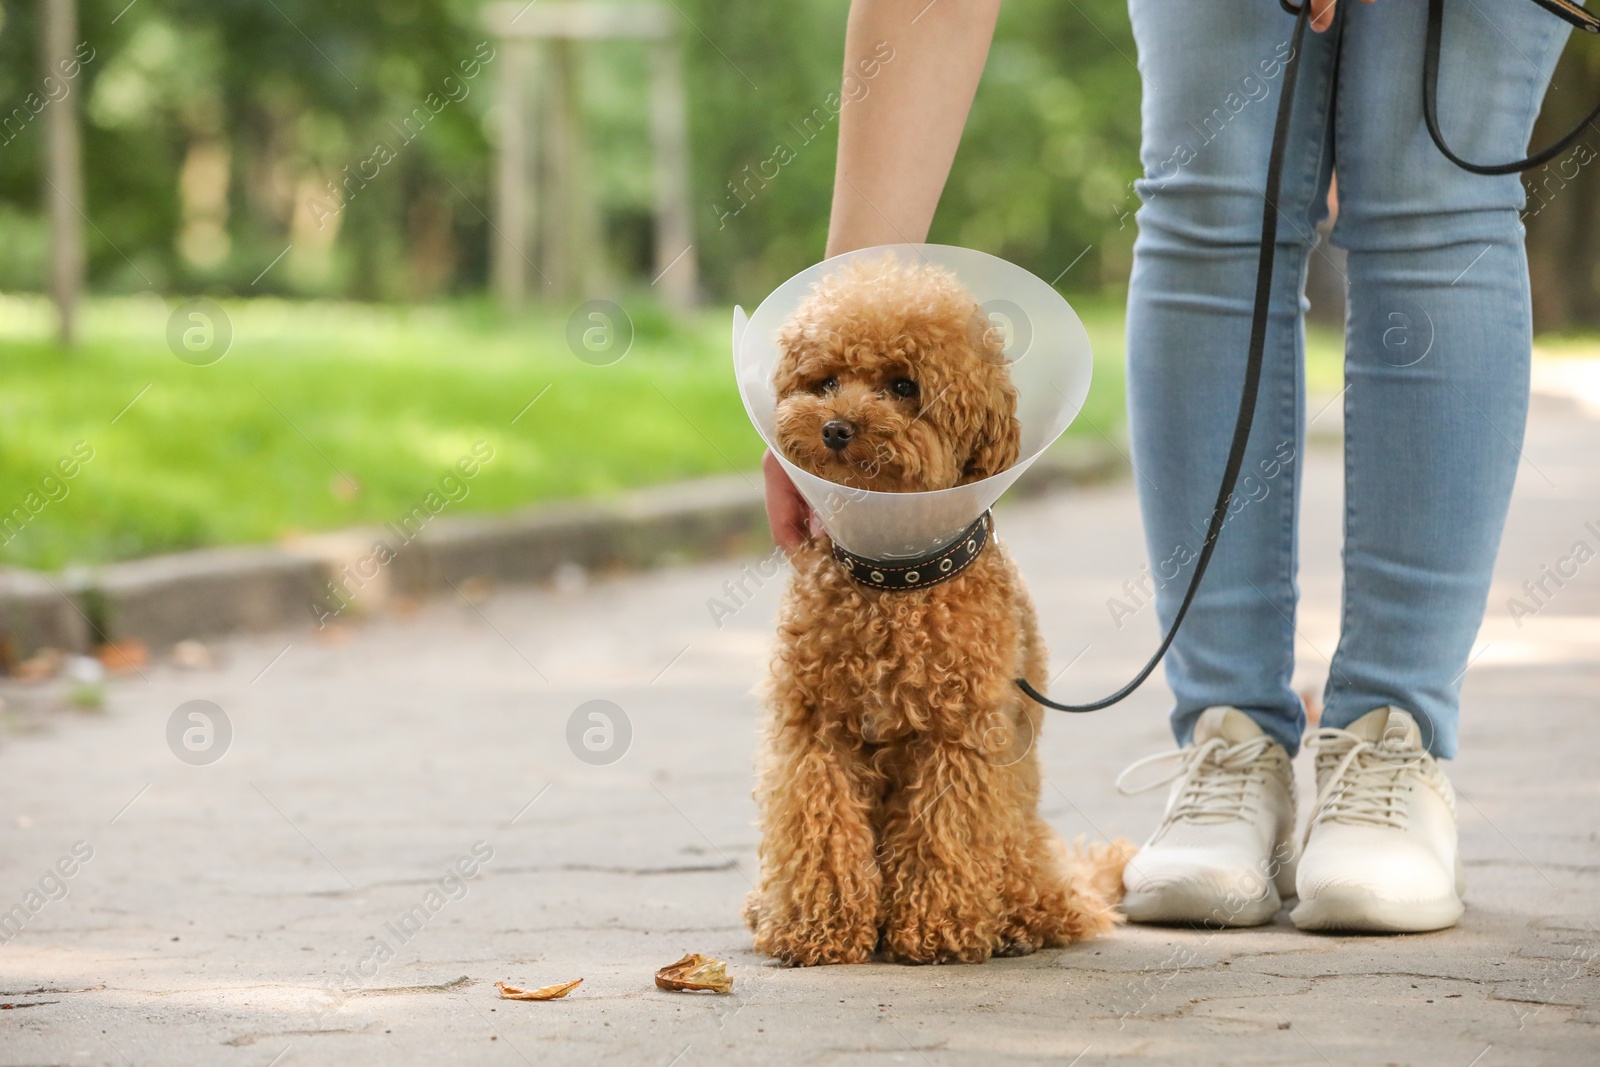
694	973
191	655
127	655
549	992
44	664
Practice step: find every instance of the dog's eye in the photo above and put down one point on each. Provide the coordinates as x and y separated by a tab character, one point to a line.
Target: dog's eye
904	387
826	386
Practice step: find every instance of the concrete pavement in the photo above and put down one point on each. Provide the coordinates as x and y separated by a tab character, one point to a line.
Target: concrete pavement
409	809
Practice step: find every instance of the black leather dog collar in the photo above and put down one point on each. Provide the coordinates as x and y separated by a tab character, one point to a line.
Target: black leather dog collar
905	575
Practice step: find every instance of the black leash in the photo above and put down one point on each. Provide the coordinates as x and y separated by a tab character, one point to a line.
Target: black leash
1430	90
1269	239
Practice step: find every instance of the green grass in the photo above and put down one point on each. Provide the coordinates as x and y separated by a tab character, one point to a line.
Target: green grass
326	415
1567	346
257	446
1324	361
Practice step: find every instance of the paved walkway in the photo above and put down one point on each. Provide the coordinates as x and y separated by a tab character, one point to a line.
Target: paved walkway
297	901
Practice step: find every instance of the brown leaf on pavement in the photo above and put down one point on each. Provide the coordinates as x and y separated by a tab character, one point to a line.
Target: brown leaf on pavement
695	973
549	992
42	665
127	655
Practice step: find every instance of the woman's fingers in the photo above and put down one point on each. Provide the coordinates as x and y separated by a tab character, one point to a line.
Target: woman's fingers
788	514
1322	13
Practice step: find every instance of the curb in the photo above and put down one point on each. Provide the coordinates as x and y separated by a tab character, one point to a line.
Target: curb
309	581
36	613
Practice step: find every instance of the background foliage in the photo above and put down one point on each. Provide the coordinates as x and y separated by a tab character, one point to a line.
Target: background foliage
213	126
366	356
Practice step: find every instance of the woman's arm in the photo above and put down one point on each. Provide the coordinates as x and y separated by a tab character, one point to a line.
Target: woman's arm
896	144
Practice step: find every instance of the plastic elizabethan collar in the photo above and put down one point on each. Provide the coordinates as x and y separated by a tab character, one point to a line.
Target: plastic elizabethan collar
1050	366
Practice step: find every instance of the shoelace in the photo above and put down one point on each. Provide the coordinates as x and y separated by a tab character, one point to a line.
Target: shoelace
1216	779
1364	783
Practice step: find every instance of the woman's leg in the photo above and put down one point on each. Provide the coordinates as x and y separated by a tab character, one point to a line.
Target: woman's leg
1436	368
1212	75
1213	78
1438	343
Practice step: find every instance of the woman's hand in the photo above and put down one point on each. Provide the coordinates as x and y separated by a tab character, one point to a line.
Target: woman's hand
1322	13
787	511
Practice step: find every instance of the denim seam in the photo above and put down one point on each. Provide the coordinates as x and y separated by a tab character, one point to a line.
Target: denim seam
1284	408
1326	115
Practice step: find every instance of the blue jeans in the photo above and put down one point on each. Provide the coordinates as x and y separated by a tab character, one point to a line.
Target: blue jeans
1437	351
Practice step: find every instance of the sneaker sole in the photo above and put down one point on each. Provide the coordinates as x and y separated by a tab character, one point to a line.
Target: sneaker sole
1193	905
1359	911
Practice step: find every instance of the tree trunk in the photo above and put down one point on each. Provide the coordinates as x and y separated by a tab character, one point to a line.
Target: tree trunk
63	189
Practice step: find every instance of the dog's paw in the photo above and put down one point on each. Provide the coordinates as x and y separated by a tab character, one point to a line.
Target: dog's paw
926	939
1012	947
1048	921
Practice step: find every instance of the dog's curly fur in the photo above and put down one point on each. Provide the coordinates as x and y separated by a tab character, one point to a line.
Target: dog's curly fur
900	786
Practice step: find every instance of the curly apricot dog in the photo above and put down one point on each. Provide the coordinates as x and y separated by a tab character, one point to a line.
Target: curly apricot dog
899	792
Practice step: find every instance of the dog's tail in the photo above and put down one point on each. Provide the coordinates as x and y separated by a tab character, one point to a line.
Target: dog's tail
1094	875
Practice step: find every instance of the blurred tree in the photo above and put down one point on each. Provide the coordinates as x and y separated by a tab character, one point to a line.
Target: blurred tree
221	133
1044	171
1563	212
350	139
63	178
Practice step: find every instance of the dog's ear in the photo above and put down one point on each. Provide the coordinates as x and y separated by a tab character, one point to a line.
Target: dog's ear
997	436
798	345
998	441
790	339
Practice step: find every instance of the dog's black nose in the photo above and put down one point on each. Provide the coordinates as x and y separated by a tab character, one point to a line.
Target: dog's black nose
836	433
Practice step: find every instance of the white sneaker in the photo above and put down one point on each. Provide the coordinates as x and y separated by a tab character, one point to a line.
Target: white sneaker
1380	851
1222	854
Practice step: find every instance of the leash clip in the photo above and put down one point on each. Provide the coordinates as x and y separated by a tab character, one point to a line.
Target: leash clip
1567	11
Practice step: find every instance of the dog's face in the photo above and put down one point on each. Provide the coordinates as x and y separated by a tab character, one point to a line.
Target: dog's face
890	378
